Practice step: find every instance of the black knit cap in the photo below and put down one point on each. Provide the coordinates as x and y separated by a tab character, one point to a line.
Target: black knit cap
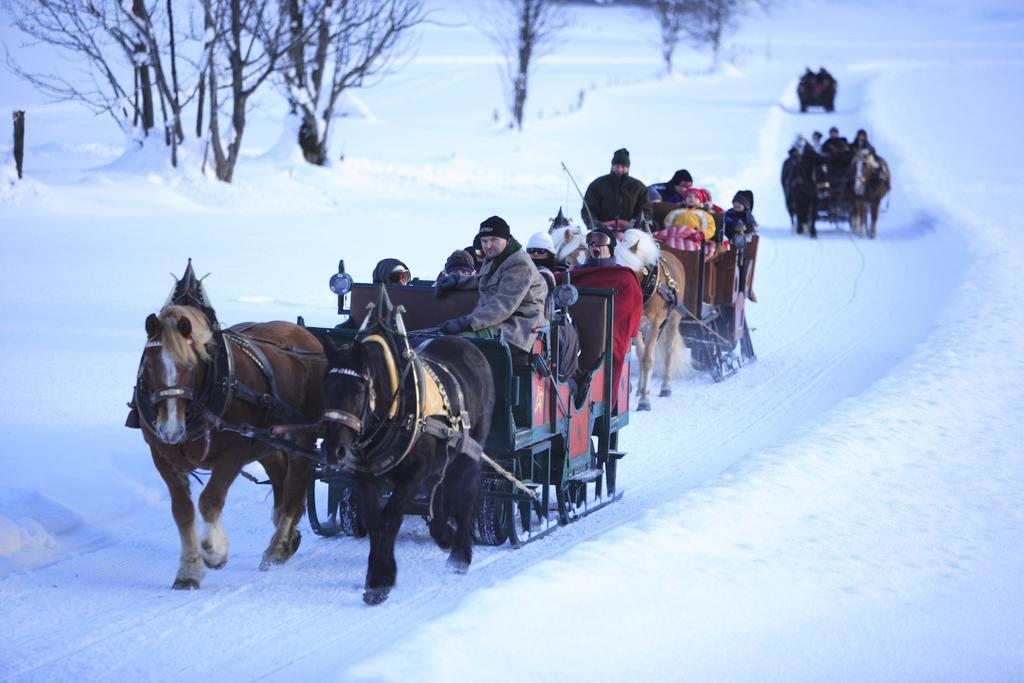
495	226
621	157
746	198
680	176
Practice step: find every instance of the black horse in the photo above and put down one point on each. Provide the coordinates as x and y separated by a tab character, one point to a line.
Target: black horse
398	418
802	190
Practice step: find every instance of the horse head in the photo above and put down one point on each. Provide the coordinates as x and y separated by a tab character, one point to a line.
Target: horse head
570	245
637	250
347	393
170	378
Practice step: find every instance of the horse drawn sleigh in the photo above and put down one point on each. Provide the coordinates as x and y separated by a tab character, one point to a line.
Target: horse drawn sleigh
408	421
558	442
845	189
817	90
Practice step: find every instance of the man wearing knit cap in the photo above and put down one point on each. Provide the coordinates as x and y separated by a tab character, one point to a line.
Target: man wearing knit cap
512	292
616	198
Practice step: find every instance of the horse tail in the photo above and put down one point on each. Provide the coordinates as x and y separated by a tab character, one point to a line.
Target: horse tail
670	342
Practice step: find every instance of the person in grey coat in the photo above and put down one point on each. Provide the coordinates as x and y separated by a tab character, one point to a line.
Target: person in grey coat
512	291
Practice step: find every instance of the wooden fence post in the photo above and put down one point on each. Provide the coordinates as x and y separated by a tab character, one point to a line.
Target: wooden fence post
19	140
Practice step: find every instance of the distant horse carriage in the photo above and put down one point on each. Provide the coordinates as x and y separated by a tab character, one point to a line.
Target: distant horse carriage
845	190
699	301
817	90
713	302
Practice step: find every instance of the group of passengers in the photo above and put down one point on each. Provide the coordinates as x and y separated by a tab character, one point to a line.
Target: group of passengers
834	147
686	219
514	283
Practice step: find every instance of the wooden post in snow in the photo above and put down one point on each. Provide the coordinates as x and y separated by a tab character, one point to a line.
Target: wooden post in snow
19	140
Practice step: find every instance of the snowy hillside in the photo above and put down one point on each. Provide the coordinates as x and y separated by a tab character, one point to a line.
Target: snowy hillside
847	508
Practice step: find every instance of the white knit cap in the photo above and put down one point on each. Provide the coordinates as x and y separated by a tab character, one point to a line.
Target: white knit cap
541	240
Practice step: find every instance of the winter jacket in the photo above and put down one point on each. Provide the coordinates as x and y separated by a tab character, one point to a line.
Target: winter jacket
835	147
734	219
615	197
512	296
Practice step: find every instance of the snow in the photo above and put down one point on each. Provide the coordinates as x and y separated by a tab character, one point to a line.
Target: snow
846	508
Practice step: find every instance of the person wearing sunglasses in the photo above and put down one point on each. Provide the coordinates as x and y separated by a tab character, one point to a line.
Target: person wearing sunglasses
391	271
512	291
616	198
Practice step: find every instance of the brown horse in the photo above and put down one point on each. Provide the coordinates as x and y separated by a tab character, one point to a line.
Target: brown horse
870	183
193	376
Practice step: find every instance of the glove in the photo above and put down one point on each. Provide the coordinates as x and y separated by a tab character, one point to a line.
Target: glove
449	281
454	326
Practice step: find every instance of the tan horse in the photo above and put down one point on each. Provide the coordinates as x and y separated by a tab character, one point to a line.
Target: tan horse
659	327
183	387
870	182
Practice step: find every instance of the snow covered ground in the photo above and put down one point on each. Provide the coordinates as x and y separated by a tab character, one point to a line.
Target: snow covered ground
847	508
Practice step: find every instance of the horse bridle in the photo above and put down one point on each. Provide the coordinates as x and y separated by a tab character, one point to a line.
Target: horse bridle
354	422
168	393
344	417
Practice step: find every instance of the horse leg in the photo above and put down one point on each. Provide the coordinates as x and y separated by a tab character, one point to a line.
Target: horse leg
645	341
463	482
286	538
382	526
874	217
190	566
213	545
670	343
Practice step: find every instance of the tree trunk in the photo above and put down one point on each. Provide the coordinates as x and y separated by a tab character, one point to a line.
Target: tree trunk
314	149
145	82
19	140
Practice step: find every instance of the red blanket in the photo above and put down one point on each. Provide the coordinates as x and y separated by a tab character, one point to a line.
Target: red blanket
629	307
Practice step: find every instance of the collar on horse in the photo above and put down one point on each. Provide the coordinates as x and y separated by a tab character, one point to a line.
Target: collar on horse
419	397
209	401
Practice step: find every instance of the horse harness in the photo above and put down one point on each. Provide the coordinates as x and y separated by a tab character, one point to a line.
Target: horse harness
651	282
427	399
220	388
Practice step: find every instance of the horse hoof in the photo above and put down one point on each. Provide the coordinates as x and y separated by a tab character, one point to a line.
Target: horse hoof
294	545
185	585
458	561
270	560
214	565
643	405
375	596
665	392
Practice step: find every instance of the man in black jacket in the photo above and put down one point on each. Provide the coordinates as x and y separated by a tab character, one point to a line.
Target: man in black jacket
616	198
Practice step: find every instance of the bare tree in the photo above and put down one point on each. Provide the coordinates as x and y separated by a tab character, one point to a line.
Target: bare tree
244	42
107	40
338	45
709	22
670	15
524	31
104	64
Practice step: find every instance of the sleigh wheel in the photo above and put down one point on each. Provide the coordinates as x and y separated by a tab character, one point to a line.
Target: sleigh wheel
333	508
492	520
